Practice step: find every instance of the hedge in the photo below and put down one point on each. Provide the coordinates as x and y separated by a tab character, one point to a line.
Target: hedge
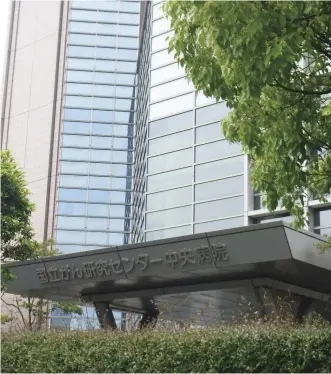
223	349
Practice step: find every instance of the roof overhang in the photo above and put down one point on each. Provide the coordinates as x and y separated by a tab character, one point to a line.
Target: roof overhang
214	267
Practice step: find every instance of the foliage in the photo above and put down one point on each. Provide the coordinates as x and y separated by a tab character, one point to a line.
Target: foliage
5	318
271	62
222	349
17	241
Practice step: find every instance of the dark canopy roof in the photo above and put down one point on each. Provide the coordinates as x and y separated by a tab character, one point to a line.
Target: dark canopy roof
186	272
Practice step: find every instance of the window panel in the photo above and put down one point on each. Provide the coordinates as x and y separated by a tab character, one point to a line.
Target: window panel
74	167
128	30
102	28
97	224
79	63
170	89
323	232
80	76
170	179
71	222
169	161
101	210
170	143
108	78
75	141
102	129
72	208
100	5
117	197
77	51
103	90
71	194
219	169
106	41
103	103
201	99
161	42
77	114
171	198
275	218
116	239
74	237
127	42
69	248
83	15
103	115
73	181
171	124
99	182
119	170
322	217
129	6
120	156
91	28
125	79
171	106
98	196
78	101
160	26
220	188
157	10
211	113
208	133
120	143
101	142
219	208
128	18
216	150
161	58
80	89
219	225
117	211
125	117
168	233
124	91
128	67
120	183
116	224
100	155
163	74
76	127
123	104
170	217
100	238
75	154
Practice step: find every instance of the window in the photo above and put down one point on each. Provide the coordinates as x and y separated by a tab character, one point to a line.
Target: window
211	113
170	179
124	91
161	58
117	211
129	6
219	169
116	224
79	63
116	239
80	89
280	217
80	76
124	42
78	101
208	133
171	106
220	208
170	161
100	155
74	167
73	181
71	222
161	42
127	18
71	194
77	51
160	26
99	182
201	99
98	210
163	74
171	198
219	188
168	233
219	225
77	114
100	238
75	154
322	217
171	124
170	217
75	141
170	89
216	150
100	224
72	208
157	10
98	196
74	237
128	30
170	143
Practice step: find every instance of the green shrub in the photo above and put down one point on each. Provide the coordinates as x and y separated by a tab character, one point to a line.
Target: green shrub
222	349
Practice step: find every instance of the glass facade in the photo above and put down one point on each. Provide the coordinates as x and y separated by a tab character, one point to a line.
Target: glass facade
94	194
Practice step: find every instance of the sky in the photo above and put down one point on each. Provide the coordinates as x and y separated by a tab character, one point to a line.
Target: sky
4	16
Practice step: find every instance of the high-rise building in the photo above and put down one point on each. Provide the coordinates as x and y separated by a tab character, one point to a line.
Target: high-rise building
117	145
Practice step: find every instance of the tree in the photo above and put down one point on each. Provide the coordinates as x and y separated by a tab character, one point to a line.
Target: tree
18	243
271	62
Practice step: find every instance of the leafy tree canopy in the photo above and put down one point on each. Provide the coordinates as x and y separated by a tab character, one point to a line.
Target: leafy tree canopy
17	241
271	62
